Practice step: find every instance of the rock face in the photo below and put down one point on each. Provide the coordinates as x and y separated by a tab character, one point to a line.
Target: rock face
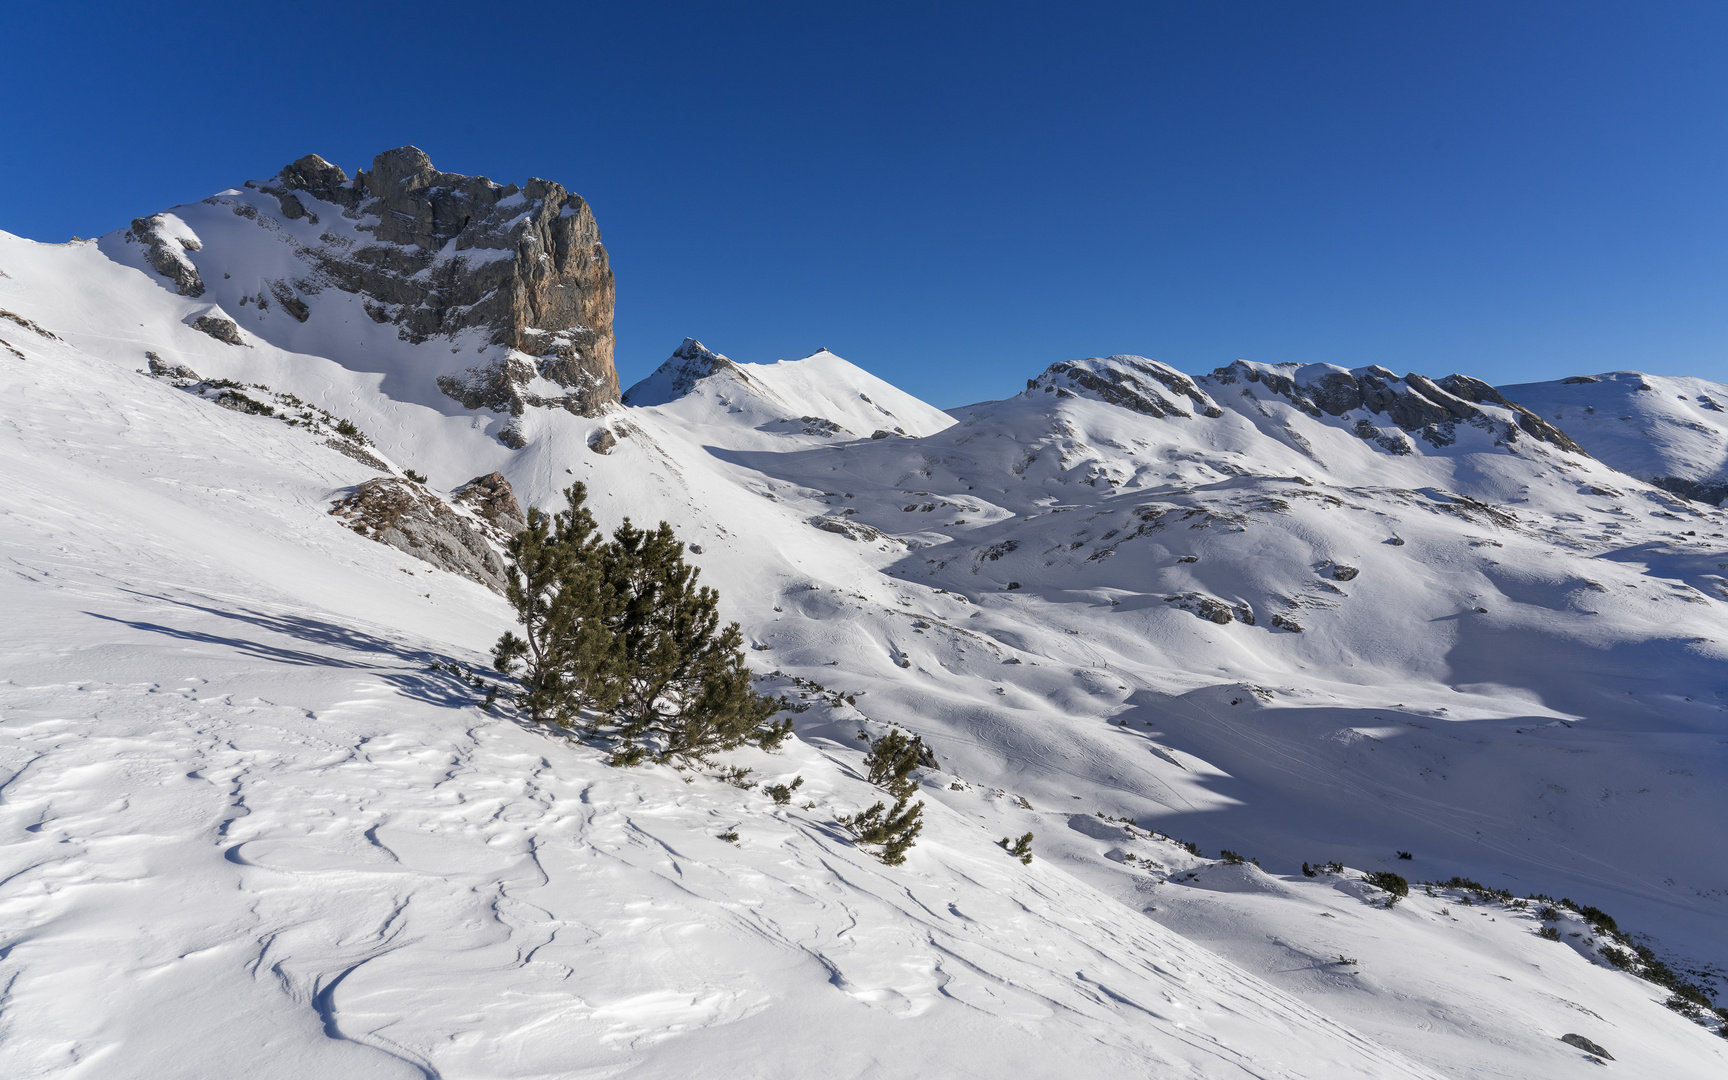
1427	407
493	499
1133	382
452	253
167	251
416	522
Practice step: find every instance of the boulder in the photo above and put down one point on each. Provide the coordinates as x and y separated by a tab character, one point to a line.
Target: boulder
224	330
416	522
1580	1042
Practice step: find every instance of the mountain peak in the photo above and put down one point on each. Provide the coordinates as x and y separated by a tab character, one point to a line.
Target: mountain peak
435	254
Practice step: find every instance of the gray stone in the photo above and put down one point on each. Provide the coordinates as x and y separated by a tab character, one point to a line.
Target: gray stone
167	256
453	253
219	328
1132	382
603	441
358	453
1580	1042
493	499
416	522
164	370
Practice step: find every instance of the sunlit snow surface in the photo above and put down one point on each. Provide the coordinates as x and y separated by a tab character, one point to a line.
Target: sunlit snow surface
247	828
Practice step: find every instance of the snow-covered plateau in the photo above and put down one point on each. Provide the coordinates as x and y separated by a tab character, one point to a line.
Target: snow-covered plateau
1226	645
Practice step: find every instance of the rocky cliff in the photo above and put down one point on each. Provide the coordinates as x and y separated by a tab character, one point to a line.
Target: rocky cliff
435	254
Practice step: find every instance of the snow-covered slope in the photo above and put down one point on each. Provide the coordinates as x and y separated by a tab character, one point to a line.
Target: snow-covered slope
820	395
1302	613
1669	430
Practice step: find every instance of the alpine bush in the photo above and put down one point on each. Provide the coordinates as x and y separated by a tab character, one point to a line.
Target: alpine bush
617	635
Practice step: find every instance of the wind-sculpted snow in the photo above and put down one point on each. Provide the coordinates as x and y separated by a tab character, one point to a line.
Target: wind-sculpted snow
250	817
244	814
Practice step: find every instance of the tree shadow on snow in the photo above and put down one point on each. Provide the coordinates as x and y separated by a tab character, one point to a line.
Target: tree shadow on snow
422	682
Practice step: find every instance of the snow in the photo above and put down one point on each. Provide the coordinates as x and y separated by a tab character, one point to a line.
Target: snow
245	818
1648	426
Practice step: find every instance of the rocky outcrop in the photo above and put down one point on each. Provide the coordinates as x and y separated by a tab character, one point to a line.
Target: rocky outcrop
413	520
1132	382
223	330
493	500
1415	403
165	248
688	365
454	253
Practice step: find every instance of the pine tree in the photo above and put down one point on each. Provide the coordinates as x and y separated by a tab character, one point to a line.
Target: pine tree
682	676
567	652
894	829
891	761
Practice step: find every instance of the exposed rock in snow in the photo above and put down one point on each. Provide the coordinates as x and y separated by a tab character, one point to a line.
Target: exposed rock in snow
688	365
412	520
451	252
493	499
222	329
1133	382
1429	407
821	396
167	240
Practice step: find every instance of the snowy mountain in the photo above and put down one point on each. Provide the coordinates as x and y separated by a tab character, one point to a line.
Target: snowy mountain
1672	432
1319	617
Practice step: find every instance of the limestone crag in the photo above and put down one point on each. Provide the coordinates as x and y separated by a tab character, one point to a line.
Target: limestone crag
166	248
452	253
1431	408
493	501
1133	382
461	536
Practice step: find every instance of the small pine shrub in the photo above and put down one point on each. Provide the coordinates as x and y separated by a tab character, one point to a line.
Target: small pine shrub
738	777
1405	855
729	837
774	734
782	793
414	476
627	756
1552	933
1548	913
1391	883
895	830
1309	871
1231	858
1599	919
348	430
1021	849
1190	847
891	761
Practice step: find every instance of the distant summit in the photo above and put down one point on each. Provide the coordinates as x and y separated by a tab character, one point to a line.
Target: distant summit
821	394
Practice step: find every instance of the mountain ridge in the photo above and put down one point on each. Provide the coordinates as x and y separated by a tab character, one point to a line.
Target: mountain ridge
1310	615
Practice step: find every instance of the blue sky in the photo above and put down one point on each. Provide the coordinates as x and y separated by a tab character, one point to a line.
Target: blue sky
956	195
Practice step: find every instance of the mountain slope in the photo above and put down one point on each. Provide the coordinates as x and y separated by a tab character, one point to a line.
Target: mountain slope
252	810
1302	613
1669	431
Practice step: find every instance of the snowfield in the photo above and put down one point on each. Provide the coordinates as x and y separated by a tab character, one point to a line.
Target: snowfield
251	810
